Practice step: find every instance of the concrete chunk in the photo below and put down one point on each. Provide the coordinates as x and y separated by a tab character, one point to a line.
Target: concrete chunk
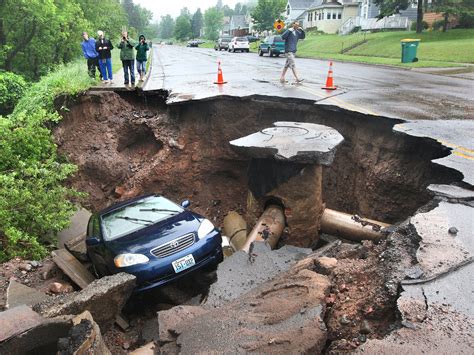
104	299
17	320
292	141
72	267
19	294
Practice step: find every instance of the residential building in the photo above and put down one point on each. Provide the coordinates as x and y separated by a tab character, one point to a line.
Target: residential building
239	25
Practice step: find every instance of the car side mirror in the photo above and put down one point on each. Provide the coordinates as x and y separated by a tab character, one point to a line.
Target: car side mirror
91	241
185	204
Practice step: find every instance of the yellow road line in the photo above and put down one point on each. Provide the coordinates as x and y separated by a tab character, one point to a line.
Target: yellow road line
458	147
455	152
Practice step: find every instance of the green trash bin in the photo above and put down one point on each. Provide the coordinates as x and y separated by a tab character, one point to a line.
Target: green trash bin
409	47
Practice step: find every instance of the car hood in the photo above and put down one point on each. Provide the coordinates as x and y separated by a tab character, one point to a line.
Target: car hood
143	241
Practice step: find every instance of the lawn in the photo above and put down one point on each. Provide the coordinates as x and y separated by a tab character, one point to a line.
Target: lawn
436	49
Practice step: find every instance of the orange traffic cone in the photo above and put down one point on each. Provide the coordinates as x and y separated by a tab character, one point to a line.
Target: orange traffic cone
329	80
220	77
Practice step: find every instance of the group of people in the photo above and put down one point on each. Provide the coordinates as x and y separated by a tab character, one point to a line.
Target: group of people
98	56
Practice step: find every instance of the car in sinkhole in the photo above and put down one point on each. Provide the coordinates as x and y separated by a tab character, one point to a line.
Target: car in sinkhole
152	238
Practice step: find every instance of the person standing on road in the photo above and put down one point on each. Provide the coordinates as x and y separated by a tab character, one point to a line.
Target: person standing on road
91	55
103	47
142	48
126	46
291	37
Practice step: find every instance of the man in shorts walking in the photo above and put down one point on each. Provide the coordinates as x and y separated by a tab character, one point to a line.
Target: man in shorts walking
291	37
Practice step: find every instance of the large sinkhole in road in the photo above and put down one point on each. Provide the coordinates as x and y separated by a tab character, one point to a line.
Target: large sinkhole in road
126	145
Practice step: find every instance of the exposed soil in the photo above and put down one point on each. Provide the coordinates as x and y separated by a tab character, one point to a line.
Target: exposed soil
125	146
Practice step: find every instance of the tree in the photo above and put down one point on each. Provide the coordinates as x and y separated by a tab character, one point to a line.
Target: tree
452	7
182	29
138	17
213	21
166	28
266	12
228	11
390	7
196	23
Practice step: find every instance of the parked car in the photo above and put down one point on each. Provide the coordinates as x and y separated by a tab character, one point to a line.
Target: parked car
192	43
152	238
252	39
222	43
273	45
239	44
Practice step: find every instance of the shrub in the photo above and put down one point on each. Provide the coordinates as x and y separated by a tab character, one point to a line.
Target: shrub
437	25
466	20
356	29
424	24
12	87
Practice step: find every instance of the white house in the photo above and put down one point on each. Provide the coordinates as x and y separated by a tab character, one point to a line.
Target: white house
295	10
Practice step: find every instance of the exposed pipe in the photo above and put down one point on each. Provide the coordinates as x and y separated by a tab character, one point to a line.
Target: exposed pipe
235	228
351	227
269	227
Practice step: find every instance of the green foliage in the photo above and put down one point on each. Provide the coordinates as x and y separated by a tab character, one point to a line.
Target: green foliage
182	29
138	17
166	28
68	80
466	20
267	12
12	87
39	34
390	7
424	25
196	23
213	21
438	25
34	205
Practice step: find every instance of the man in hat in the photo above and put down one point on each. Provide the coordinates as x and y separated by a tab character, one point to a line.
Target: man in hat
291	37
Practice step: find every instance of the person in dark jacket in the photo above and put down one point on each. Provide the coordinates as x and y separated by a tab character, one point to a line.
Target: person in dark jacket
103	46
127	57
291	37
91	55
142	48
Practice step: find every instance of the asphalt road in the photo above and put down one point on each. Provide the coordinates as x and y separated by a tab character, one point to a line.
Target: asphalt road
435	106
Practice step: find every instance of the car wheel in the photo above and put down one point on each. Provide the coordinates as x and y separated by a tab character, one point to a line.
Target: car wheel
260	53
233	49
270	52
247	50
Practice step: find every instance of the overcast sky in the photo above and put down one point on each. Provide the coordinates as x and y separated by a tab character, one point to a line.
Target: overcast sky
173	7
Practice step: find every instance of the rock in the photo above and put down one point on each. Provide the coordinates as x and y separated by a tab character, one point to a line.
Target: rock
169	320
77	247
35	264
250	322
325	265
104	298
344	320
414	272
365	327
57	287
25	267
18	294
49	270
453	231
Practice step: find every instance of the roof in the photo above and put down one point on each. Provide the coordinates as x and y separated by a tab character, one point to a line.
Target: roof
237	21
300	4
326	4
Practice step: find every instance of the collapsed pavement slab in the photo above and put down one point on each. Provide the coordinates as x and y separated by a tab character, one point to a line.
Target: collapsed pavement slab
24	331
77	226
446	237
103	298
240	273
19	294
283	315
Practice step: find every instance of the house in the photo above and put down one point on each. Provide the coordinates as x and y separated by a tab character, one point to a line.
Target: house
329	15
239	25
295	11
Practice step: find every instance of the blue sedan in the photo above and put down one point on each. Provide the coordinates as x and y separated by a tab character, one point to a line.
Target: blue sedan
152	238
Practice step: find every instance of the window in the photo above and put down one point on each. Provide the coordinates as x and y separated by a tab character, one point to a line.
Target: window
287	9
339	15
328	16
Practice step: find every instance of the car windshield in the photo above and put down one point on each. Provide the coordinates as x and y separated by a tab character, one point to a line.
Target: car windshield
136	216
241	39
225	39
278	39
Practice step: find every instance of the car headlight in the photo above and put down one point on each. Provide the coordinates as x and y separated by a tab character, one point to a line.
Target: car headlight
124	260
205	228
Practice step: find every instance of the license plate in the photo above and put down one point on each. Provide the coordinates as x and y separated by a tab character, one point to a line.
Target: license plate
184	263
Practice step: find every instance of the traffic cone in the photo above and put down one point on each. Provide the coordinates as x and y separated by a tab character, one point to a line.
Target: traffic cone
220	77
329	80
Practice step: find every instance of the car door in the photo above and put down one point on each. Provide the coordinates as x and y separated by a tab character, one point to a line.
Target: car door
98	252
264	45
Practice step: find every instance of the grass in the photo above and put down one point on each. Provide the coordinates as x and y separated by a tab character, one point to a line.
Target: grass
436	49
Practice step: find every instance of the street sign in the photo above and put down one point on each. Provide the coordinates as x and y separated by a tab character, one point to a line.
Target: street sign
279	25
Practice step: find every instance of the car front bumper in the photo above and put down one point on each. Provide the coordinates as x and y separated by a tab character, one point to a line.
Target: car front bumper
159	271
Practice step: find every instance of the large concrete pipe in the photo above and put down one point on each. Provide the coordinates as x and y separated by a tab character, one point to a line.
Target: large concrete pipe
351	227
235	228
269	227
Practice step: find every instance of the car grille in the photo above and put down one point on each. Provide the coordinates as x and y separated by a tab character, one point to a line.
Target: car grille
174	246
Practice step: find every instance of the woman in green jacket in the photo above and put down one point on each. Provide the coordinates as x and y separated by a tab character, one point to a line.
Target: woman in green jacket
142	48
